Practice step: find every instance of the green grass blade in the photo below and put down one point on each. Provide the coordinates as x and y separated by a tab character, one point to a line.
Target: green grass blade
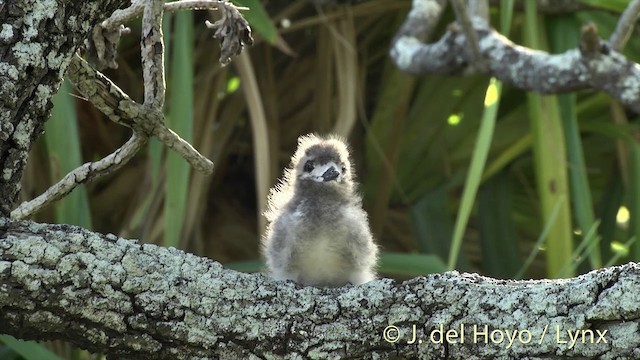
506	16
550	160
580	189
63	146
613	5
180	120
29	350
478	160
508	156
564	36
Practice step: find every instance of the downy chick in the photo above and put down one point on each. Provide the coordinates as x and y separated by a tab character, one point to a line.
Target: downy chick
318	233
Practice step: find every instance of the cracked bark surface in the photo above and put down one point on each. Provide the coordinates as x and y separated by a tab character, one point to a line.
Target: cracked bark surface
37	40
131	300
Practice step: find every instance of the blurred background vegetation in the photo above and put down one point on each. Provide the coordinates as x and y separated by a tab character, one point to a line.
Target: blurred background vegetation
449	178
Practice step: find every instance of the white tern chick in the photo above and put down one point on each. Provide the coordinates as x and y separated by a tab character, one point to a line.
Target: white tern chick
318	233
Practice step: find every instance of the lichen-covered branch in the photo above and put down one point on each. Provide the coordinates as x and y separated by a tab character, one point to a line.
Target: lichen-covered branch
136	301
81	175
121	109
145	120
120	17
233	30
152	50
604	69
33	58
464	20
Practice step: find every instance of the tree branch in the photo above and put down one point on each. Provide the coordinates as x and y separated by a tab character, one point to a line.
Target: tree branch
625	26
120	17
81	175
521	67
116	296
464	21
152	50
118	106
32	62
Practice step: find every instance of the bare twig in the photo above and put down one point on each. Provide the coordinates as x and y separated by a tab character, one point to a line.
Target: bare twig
148	119
201	5
120	17
625	26
102	45
119	108
80	175
233	30
470	34
117	105
152	50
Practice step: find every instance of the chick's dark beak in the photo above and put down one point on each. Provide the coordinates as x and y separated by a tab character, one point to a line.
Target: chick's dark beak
330	174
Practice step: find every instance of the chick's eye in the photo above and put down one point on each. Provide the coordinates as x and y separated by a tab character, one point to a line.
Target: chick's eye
344	169
308	166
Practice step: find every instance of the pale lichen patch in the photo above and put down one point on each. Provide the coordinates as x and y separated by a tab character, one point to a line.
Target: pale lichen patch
43	94
7	173
39	11
423	9
22	134
631	87
7	32
405	49
29	54
9	71
20	271
4	266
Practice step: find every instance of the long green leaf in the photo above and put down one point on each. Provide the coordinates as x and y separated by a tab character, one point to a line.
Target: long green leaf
613	5
550	160
29	350
180	119
479	158
564	36
63	145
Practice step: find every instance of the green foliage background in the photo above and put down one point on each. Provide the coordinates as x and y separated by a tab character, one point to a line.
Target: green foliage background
452	168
